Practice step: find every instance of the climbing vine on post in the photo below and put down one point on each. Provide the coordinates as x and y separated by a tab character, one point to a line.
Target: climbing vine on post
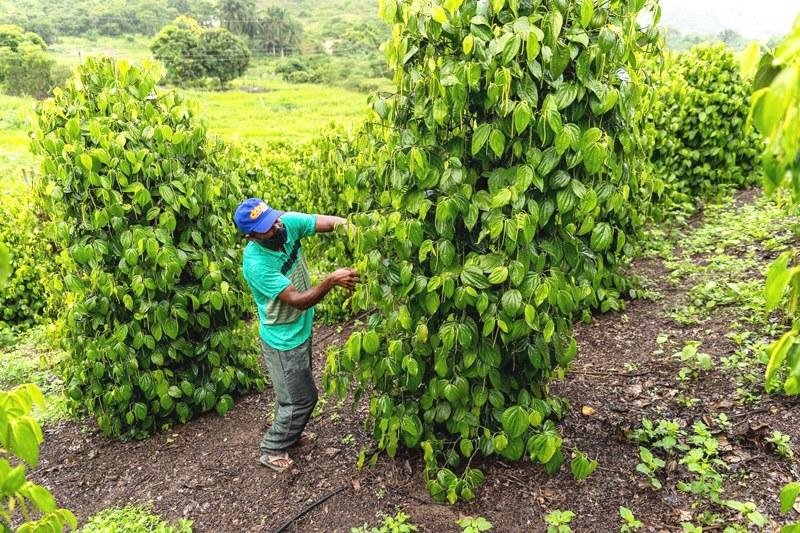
508	201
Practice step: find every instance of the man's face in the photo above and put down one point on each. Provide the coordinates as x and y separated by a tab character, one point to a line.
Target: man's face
267	234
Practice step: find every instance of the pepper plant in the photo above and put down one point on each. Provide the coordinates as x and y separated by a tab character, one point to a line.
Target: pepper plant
20	438
700	144
141	200
506	200
776	114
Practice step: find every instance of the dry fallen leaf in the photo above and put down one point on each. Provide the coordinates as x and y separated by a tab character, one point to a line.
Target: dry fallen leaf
587	411
634	390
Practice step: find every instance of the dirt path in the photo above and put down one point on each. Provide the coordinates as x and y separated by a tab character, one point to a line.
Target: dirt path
207	470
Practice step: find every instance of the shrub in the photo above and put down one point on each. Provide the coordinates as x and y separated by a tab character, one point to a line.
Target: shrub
23	299
153	294
699	114
133	519
507	198
20	439
25	67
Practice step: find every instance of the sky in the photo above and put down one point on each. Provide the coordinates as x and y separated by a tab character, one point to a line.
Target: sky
754	19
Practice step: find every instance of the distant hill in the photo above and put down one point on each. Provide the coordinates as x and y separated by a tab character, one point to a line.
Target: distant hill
752	19
328	18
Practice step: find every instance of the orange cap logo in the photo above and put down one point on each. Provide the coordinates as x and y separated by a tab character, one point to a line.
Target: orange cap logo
257	210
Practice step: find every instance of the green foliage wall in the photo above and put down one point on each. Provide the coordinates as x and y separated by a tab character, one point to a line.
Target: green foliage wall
506	196
699	112
142	199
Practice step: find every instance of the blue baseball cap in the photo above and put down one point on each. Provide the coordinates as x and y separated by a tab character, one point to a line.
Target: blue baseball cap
254	215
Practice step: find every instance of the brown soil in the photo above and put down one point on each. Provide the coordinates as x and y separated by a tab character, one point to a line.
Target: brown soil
207	470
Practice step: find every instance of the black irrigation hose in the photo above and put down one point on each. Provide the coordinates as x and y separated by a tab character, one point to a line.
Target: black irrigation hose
310	506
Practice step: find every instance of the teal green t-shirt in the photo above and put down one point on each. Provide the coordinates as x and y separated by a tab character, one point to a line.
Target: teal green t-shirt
269	272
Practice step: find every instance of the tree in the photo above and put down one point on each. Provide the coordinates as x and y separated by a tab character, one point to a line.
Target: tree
192	53
278	31
177	46
224	55
238	16
731	38
25	67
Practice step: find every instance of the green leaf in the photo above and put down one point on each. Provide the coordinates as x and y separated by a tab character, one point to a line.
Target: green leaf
439	14
582	467
480	137
788	496
601	237
749	59
778	278
497	141
556	23
25	438
498	275
515	421
453	5
532	46
86	161
170	328
468	43
501	198
73	128
522	117
41	498
370	342
497	5
587	11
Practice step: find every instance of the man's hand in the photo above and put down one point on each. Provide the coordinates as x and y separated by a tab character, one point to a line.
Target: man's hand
327	223
344	277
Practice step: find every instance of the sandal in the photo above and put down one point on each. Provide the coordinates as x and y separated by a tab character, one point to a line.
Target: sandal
276	461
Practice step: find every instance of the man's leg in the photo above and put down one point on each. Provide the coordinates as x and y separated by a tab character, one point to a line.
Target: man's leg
295	395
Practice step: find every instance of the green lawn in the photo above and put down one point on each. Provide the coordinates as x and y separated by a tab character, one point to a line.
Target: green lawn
71	51
259	107
16	116
284	112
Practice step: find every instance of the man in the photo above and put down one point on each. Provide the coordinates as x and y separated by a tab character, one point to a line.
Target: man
276	272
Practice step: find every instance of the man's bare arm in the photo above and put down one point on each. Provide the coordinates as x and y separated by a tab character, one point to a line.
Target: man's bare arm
327	223
344	277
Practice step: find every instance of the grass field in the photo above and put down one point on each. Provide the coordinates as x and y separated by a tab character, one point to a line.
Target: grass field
283	112
72	51
16	118
259	107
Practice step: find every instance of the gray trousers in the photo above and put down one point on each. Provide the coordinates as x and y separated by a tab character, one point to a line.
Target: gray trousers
295	394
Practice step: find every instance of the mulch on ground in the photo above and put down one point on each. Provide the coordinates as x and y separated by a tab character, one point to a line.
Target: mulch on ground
208	470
